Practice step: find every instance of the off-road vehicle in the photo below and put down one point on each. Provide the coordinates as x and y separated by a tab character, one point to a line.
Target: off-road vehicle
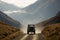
31	28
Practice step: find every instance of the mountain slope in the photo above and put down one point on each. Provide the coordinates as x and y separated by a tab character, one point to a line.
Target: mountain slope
55	19
52	28
8	32
52	32
7	7
8	20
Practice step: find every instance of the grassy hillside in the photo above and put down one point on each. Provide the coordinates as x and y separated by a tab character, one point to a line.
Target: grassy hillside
52	32
52	28
8	32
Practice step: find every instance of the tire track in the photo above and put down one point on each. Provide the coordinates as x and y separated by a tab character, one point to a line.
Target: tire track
20	36
30	37
24	37
40	37
35	37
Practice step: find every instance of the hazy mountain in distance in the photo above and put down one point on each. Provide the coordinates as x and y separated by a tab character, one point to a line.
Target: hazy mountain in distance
33	7
39	11
44	8
53	20
6	19
7	7
40	3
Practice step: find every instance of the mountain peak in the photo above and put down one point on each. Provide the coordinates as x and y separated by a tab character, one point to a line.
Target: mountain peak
58	14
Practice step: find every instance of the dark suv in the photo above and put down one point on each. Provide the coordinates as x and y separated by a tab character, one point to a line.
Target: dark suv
31	28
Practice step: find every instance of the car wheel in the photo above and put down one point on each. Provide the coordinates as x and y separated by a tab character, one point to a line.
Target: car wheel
34	32
28	32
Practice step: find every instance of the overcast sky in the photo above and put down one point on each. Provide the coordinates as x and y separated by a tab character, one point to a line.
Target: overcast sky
20	3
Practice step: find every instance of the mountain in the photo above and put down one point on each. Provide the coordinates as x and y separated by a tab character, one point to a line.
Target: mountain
5	18
55	19
44	8
42	4
38	12
35	13
52	28
8	32
35	6
8	7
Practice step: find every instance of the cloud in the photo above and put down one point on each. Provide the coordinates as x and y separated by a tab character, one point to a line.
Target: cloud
15	11
20	3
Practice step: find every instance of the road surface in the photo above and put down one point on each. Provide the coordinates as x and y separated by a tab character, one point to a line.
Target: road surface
30	37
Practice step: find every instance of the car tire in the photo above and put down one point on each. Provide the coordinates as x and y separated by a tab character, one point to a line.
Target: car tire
34	32
28	32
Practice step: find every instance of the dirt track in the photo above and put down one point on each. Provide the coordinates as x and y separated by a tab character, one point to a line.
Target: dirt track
30	37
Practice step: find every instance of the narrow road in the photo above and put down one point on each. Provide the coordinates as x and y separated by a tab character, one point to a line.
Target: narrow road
30	37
